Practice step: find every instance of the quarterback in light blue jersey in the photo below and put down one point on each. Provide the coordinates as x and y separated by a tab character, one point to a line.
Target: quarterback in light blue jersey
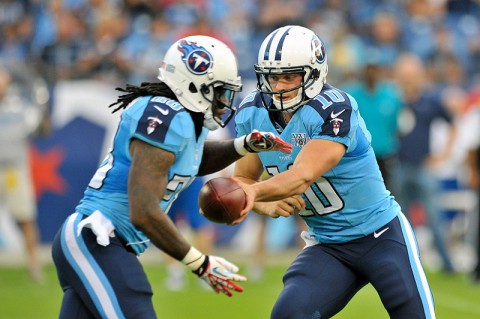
356	233
157	151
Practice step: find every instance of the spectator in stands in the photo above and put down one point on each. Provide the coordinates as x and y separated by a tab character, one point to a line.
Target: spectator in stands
473	163
19	119
60	58
380	103
103	59
159	38
385	36
416	181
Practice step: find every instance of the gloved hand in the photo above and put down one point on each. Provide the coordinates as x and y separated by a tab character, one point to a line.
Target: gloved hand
216	271
219	274
257	141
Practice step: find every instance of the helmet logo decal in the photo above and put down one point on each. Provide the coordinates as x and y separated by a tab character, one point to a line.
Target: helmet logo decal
196	58
319	49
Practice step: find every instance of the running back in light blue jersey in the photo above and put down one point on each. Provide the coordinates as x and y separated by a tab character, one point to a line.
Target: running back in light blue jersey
350	201
158	121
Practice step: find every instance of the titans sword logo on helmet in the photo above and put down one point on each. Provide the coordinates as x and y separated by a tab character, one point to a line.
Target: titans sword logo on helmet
197	59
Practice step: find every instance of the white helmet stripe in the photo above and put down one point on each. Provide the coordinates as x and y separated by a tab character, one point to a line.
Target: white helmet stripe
278	53
267	48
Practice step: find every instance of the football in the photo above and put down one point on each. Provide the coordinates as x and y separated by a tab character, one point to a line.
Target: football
221	200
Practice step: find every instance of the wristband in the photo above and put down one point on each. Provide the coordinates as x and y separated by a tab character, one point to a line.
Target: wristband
194	259
239	144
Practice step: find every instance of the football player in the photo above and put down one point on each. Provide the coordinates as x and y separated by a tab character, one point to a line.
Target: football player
157	151
356	233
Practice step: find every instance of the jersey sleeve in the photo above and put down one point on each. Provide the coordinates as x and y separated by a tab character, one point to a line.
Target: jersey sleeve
332	115
164	126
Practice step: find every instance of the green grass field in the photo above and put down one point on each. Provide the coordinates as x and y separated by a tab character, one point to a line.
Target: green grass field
455	296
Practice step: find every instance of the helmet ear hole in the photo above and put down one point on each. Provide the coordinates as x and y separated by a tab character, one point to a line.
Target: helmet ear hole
204	88
192	88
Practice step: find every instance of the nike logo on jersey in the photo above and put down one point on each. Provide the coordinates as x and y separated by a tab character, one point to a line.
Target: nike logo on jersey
335	115
163	111
376	235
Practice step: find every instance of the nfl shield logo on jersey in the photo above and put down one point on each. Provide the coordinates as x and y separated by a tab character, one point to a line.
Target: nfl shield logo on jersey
300	139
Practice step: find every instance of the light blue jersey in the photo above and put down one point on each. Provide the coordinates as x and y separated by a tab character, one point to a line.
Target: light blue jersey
350	201
158	121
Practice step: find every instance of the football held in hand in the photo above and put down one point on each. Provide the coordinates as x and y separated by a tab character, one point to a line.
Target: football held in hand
221	200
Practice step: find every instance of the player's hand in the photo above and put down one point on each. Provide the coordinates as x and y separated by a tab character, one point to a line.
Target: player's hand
285	207
257	141
220	274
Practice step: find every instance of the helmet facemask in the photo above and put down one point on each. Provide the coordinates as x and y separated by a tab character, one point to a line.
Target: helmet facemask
265	88
222	97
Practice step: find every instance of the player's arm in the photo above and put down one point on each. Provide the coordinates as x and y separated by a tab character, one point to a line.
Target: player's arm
316	158
219	154
249	170
147	183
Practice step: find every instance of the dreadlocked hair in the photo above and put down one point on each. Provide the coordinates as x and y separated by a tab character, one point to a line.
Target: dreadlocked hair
145	89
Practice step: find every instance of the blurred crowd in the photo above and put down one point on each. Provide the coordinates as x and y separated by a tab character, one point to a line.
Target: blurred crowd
123	40
369	42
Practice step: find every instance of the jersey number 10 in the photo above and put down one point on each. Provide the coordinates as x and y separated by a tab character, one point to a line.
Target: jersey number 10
321	197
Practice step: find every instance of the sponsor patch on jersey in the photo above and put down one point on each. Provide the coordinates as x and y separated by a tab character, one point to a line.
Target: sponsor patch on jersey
196	58
300	139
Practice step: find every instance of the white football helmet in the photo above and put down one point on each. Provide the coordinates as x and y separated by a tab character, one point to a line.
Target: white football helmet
287	50
202	72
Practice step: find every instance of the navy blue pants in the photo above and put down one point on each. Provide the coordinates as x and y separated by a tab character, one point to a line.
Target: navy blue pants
323	278
97	281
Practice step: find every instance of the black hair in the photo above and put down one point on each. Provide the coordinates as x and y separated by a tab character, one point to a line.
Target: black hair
145	89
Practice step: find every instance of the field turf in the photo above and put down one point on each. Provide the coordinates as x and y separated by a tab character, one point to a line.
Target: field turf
455	296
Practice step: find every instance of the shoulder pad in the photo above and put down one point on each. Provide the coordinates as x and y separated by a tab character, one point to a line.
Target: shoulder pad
157	117
335	108
252	99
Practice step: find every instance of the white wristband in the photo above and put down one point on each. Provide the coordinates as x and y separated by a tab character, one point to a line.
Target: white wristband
238	143
193	259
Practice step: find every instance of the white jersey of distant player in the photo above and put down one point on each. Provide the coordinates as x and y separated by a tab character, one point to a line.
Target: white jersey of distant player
158	121
350	201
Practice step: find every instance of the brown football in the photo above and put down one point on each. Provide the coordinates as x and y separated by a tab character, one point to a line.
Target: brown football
221	200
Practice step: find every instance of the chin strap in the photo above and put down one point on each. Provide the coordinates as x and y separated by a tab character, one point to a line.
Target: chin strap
209	121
